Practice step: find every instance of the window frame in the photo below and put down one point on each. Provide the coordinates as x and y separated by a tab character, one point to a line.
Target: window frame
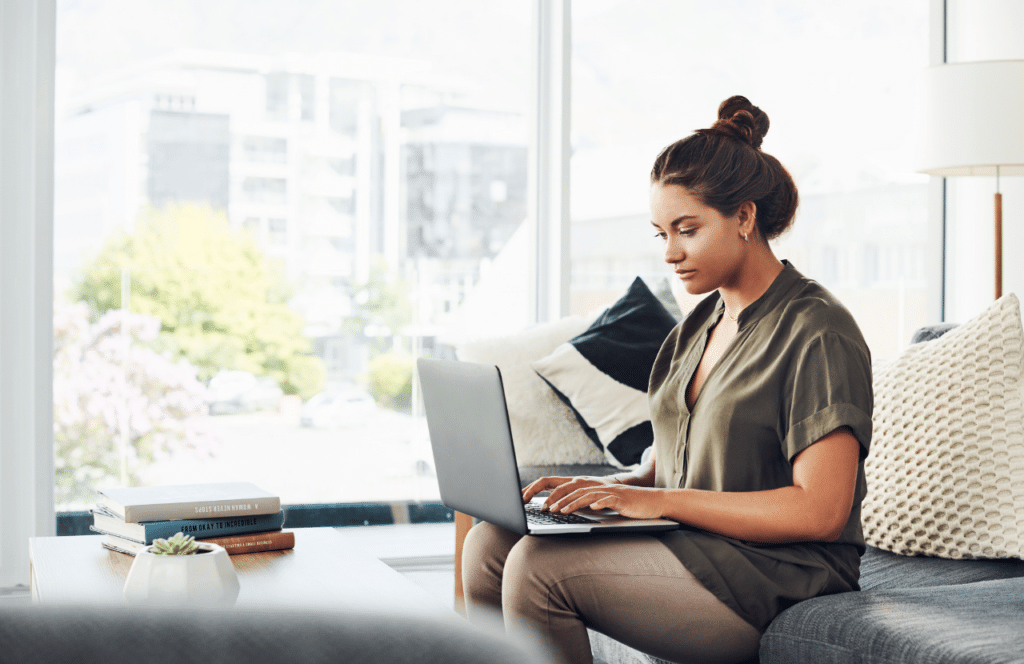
28	33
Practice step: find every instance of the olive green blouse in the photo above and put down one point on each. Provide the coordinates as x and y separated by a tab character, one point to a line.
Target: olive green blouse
797	370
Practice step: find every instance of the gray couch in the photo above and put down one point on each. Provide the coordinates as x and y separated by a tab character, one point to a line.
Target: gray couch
33	634
910	610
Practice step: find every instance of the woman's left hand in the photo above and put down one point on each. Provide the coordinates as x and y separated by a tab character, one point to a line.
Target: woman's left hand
631	501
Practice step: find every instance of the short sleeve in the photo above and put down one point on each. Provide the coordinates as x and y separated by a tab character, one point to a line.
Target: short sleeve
829	387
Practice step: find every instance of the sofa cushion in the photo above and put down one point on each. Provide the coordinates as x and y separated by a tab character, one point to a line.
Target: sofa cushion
602	374
544	430
963	624
884	570
947	455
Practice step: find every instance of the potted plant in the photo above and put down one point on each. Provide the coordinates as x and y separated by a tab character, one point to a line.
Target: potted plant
179	570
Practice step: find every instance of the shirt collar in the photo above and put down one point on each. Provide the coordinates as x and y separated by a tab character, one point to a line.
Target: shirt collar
776	291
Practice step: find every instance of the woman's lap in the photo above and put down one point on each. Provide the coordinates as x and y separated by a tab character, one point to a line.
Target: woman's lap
631	588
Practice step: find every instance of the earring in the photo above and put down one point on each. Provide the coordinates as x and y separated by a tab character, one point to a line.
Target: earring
746	237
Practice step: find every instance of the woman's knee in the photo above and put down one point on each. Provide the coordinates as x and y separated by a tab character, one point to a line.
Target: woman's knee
483	558
533	570
487	543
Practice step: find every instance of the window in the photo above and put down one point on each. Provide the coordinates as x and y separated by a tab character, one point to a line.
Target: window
314	206
278	231
103	161
840	98
267	149
385	186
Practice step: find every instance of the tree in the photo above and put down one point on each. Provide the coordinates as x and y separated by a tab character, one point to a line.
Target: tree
107	382
390	379
220	302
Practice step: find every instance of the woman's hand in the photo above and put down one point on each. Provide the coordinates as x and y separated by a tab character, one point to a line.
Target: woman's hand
561	486
635	502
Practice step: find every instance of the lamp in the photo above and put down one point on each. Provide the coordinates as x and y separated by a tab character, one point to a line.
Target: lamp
971	122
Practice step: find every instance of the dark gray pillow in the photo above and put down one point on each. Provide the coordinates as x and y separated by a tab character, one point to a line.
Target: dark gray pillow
931	332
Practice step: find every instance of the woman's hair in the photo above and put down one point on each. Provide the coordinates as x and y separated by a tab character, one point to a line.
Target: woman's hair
724	167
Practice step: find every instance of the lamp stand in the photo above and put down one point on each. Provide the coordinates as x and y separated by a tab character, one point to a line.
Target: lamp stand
999	245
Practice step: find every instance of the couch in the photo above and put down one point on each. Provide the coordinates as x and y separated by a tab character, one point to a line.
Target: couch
910	609
44	634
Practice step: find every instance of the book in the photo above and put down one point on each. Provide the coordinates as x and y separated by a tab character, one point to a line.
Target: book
274	540
188	501
144	533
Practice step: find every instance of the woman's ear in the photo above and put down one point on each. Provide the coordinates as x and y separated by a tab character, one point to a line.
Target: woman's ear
747	218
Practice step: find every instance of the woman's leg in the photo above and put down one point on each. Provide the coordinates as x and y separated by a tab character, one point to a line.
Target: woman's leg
483	558
631	588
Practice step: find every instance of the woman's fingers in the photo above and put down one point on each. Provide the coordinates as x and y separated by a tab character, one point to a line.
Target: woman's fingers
543	484
579	498
633	502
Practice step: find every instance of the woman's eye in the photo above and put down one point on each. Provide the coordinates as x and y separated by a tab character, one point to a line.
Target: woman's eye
661	236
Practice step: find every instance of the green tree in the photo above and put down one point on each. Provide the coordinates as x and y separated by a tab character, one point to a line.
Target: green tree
390	379
221	303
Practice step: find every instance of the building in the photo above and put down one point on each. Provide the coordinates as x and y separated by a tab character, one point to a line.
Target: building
335	162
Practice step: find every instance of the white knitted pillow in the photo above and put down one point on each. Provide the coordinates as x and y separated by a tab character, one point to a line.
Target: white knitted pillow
946	469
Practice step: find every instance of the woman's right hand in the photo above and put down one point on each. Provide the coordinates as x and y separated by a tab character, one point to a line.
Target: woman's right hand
562	486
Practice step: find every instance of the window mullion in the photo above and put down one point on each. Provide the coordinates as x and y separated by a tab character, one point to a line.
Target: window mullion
548	205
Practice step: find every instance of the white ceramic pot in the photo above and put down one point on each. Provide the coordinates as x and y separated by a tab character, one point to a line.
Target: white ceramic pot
207	578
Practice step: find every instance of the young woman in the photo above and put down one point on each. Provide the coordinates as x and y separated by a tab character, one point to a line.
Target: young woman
761	404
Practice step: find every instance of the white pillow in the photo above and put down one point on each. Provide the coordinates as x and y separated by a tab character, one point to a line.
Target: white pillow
544	430
946	469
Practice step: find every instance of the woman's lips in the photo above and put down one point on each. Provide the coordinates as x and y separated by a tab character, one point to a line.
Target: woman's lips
683	274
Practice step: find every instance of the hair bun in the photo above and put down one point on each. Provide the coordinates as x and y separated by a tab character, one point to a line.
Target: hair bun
739	119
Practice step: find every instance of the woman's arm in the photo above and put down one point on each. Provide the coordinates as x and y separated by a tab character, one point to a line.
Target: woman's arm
815	508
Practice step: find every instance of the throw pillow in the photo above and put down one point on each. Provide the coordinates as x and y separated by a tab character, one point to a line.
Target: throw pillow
544	431
946	469
602	374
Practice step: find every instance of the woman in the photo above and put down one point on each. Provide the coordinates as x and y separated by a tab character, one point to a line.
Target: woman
761	404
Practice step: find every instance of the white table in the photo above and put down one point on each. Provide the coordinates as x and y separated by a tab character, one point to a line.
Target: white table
319	572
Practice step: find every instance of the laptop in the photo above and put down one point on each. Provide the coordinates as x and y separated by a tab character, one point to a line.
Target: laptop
471	439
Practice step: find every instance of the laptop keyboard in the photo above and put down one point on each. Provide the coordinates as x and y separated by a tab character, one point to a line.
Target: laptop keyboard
535	516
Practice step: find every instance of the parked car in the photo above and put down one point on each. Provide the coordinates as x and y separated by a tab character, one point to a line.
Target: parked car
243	392
338	407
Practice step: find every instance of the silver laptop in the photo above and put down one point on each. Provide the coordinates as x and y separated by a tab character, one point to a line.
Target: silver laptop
476	463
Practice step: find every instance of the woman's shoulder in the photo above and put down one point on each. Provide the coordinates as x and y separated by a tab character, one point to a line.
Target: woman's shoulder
812	310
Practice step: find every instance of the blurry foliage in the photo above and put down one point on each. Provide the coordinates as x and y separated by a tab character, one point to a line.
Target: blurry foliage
390	379
104	376
220	303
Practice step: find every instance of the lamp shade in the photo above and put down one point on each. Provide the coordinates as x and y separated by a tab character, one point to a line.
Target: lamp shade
971	119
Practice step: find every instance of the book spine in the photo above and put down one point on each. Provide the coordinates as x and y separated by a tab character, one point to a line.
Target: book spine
207	509
275	540
205	528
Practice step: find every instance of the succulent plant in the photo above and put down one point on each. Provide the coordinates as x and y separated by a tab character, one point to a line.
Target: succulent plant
179	544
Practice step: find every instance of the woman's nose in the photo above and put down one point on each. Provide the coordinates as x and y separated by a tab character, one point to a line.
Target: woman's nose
673	251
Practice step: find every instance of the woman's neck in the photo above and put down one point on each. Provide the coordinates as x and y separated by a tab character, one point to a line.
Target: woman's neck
754	277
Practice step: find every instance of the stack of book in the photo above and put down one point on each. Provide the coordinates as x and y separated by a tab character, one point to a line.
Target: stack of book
238	516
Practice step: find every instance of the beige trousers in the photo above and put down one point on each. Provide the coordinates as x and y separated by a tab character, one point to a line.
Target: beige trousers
630	587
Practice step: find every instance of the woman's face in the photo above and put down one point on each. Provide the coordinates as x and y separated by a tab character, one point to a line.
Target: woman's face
703	247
